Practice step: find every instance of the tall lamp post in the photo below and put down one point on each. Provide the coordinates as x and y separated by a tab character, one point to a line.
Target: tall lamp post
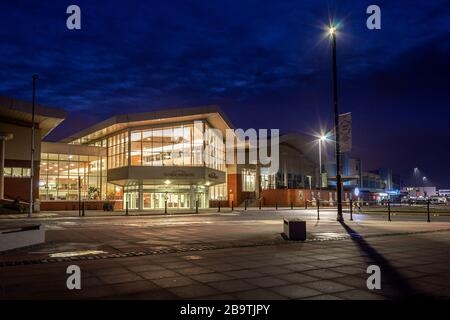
340	217
30	211
424	180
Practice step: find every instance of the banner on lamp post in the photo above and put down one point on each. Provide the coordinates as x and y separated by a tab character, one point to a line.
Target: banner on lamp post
345	132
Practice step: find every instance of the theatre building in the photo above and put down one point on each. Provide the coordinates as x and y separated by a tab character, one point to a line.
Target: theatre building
146	161
140	160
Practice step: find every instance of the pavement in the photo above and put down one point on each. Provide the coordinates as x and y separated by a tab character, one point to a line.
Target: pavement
239	255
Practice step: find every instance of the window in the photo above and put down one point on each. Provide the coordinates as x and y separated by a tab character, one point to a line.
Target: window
59	177
248	180
16	172
187	145
218	192
198	144
180	145
136	147
178	141
167	146
214	149
118	151
268	181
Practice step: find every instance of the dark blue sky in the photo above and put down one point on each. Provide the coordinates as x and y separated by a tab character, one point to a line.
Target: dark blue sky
266	63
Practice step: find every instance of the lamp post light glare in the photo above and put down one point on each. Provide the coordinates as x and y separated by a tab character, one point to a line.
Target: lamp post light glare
331	30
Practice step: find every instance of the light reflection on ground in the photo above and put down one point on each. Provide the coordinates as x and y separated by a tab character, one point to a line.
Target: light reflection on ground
69	254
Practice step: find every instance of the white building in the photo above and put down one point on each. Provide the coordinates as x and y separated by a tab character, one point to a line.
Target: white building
420	191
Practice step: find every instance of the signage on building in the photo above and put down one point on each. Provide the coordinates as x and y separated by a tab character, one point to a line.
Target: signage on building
178	173
213	175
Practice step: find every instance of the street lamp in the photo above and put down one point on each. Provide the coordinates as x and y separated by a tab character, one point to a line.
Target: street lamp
30	211
340	217
424	180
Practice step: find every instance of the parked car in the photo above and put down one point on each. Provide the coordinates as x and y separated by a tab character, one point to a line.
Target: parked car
438	200
409	200
421	200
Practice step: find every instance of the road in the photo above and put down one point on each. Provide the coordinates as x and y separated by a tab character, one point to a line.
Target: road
239	255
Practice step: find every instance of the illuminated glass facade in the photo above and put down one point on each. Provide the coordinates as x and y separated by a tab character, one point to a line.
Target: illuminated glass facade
179	145
59	177
143	165
118	150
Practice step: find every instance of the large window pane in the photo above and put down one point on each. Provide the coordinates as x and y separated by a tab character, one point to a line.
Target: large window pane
136	148
187	145
198	143
167	146
177	152
148	153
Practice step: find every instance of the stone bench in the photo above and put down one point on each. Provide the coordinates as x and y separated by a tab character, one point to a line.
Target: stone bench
13	237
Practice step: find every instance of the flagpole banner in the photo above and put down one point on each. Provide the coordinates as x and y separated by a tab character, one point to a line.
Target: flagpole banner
345	131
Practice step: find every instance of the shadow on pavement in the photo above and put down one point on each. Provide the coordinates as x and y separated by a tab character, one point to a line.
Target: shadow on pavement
389	274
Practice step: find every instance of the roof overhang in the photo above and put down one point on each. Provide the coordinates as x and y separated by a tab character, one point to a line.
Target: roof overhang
213	114
20	112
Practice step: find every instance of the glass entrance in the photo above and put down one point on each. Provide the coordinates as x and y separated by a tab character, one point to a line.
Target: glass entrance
156	200
132	197
155	196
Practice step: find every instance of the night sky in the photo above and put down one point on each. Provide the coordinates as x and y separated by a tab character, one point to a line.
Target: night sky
266	63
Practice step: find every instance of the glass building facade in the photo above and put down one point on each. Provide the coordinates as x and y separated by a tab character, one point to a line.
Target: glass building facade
146	163
179	145
64	177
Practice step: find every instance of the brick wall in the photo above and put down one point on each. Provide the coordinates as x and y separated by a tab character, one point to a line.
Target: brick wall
284	197
55	205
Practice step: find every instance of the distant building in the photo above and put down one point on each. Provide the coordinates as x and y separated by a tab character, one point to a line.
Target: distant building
386	178
420	191
351	171
372	180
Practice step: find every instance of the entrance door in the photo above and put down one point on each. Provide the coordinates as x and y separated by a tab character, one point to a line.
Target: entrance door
175	200
147	198
133	200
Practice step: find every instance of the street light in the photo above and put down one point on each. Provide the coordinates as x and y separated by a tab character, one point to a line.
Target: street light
30	211
340	217
331	30
424	180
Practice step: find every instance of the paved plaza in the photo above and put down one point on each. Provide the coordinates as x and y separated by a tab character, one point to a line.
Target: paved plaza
239	255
